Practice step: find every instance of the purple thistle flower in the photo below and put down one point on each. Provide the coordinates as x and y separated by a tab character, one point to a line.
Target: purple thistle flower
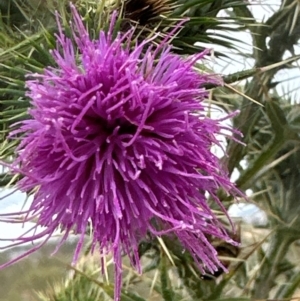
119	140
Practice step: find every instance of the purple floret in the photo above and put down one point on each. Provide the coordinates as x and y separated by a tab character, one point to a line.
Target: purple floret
119	141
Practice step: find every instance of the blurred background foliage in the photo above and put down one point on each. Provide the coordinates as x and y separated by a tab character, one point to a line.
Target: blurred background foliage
267	264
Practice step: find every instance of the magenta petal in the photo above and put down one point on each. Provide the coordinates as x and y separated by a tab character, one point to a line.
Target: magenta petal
118	139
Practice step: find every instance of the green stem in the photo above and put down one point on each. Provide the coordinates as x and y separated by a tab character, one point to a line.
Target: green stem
289	288
166	287
276	253
245	179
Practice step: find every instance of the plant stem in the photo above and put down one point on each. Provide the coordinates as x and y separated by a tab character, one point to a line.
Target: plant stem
276	253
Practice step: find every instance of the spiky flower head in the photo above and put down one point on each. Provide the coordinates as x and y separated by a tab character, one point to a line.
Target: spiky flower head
119	141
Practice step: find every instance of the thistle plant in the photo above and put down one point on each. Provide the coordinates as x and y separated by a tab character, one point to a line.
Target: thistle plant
105	122
118	141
